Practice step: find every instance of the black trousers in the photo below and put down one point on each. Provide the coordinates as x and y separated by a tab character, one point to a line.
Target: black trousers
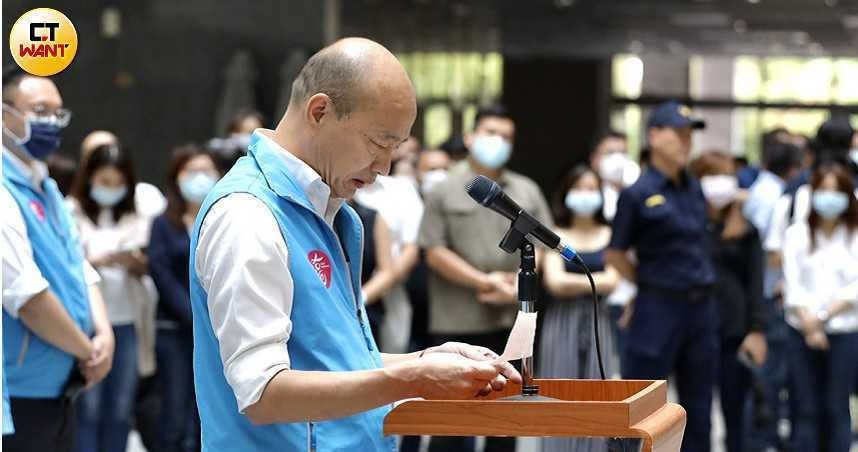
496	341
44	425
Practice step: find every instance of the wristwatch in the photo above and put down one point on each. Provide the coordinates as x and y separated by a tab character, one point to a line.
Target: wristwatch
823	316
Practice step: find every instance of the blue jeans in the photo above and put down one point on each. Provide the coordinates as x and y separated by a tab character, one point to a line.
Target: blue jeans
819	397
677	336
105	410
180	422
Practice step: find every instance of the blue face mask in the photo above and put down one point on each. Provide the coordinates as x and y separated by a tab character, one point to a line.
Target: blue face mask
583	202
194	188
44	139
829	204
491	151
107	196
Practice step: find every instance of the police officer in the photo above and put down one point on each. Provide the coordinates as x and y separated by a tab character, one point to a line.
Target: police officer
51	305
673	326
283	355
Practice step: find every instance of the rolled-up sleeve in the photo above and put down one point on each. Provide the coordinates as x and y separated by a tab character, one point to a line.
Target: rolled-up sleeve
22	279
242	264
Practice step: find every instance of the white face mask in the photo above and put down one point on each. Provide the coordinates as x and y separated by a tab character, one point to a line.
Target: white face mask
491	151
719	190
618	169
431	179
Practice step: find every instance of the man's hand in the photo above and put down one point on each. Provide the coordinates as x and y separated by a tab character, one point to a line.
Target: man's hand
503	289
477	353
817	340
97	367
449	376
755	345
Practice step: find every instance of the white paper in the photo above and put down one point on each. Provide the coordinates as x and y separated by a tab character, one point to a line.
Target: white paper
521	338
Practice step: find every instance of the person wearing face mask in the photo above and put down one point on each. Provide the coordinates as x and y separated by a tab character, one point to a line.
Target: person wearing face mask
567	348
148	199
662	217
56	333
610	159
284	358
820	261
737	256
191	175
472	295
113	235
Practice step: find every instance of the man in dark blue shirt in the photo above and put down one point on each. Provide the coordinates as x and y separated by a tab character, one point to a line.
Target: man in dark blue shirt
673	327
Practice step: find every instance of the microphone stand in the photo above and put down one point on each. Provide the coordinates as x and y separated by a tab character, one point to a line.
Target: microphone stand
514	240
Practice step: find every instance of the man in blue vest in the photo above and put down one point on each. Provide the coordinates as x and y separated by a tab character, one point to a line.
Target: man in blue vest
56	335
283	355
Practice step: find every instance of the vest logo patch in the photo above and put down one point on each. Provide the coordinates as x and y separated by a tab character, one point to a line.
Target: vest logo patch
38	209
322	265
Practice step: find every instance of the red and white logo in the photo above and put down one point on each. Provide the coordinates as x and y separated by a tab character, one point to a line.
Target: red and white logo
322	264
38	209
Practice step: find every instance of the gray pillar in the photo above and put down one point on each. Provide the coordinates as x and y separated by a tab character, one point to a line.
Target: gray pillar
714	80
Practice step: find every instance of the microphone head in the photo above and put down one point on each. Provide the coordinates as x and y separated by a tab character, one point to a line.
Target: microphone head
483	190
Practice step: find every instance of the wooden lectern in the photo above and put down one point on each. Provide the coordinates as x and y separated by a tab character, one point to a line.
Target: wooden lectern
584	408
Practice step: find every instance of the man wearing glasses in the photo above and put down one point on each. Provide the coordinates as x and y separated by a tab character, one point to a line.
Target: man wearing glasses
56	335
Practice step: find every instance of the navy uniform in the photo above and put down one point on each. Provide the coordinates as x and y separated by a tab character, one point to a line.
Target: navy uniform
673	329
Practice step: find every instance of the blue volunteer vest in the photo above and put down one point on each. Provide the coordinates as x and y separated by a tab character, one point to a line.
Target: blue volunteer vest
34	368
329	330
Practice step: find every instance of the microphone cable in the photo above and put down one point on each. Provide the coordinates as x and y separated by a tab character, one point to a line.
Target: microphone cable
577	259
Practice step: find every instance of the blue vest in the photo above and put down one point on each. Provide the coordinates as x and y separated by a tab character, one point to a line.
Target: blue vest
329	333
34	368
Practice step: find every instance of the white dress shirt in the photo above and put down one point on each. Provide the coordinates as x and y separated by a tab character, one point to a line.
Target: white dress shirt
124	294
817	279
762	196
400	205
22	279
242	264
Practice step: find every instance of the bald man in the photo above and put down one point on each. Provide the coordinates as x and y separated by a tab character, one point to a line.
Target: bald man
283	355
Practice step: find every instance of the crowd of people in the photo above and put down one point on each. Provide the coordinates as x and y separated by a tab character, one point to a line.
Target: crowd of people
727	278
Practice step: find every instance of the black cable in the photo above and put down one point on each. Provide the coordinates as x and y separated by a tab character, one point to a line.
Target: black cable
580	262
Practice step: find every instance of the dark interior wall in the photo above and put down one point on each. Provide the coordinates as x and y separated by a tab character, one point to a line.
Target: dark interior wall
559	107
157	84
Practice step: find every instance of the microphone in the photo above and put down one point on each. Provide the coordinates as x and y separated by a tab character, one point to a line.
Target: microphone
489	194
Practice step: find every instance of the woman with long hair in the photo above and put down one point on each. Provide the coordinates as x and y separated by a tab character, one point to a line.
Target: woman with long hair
567	348
192	173
820	261
113	235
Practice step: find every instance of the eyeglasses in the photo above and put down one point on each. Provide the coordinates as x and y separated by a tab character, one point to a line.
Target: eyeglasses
60	117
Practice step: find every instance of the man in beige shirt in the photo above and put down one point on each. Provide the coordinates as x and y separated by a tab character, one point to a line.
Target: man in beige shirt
472	289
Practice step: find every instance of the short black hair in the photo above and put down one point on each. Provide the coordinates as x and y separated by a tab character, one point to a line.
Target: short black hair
611	133
491	111
12	77
455	146
779	158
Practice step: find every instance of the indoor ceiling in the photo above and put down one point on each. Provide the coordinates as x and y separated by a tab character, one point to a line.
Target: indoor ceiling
604	27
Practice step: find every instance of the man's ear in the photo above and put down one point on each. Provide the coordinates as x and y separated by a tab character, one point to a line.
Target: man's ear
319	108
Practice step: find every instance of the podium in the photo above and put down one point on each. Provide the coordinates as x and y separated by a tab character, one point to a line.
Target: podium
584	408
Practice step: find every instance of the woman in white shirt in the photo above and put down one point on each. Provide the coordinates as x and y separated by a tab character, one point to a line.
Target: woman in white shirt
821	295
113	235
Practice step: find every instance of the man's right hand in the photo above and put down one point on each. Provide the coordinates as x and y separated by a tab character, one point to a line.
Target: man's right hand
502	290
448	376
